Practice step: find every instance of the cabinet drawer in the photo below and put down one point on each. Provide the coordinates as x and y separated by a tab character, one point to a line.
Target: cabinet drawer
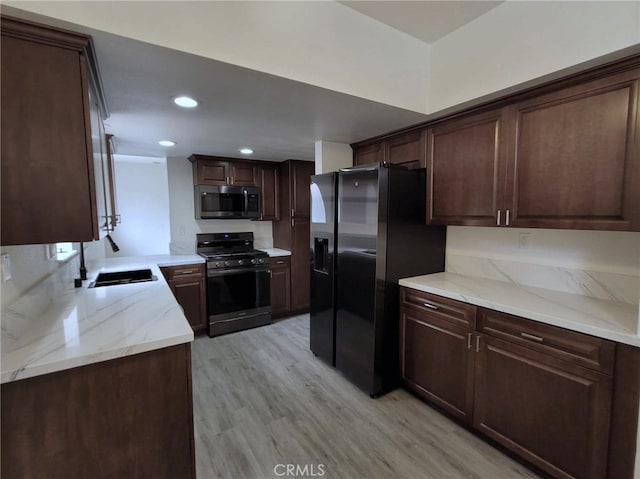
183	271
280	262
578	348
456	312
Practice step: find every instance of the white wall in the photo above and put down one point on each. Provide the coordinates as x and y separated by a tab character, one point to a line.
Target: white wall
521	40
331	156
321	43
142	190
184	226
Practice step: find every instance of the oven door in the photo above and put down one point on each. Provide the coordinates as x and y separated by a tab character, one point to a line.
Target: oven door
238	294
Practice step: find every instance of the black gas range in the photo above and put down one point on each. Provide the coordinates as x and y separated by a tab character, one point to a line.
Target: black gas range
238	282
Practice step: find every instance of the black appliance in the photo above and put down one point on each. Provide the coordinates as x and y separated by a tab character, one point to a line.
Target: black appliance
227	202
380	236
238	282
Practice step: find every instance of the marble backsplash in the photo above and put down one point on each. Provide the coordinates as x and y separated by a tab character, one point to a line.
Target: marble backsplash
597	284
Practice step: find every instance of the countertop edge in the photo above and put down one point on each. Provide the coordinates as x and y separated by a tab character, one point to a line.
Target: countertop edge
621	337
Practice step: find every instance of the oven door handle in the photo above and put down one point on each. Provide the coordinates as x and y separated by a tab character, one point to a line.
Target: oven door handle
216	273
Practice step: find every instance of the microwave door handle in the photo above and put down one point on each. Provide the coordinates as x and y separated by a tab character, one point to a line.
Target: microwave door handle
246	201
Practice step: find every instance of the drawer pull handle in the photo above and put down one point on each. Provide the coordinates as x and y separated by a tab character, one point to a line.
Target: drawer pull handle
469	336
532	337
430	306
189	271
279	262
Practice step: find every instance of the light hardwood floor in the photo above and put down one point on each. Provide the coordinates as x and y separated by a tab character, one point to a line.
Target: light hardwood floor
261	398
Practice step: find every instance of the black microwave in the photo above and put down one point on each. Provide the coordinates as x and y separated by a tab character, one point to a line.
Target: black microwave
227	202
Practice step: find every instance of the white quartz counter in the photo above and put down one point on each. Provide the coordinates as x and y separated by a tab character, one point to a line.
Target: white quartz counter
56	326
273	252
604	319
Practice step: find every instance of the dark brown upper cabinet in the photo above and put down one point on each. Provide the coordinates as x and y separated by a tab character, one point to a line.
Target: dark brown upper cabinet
466	169
215	171
50	186
566	159
574	157
407	149
373	153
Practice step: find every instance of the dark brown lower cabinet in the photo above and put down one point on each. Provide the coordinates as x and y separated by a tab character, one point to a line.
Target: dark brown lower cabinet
187	282
556	398
437	363
127	417
280	286
552	413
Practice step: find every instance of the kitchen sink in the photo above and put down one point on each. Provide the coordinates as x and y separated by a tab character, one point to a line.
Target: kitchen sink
123	277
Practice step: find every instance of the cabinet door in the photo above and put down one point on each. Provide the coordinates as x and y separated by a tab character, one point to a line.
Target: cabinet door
280	286
112	197
550	412
269	194
300	264
574	157
374	153
101	174
191	296
212	172
437	361
47	175
409	149
465	170
243	174
300	188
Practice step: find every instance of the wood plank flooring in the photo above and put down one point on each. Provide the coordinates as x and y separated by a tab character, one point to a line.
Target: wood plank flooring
261	398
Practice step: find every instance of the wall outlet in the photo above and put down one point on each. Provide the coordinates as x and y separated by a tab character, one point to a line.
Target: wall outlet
523	240
6	268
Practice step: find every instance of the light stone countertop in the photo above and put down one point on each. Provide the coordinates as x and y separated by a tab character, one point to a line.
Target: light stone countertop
605	319
55	326
274	252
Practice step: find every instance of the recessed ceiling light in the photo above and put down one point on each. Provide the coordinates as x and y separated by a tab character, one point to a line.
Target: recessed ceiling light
167	143
246	151
185	102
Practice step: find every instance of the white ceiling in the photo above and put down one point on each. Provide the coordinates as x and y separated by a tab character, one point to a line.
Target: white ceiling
425	20
276	117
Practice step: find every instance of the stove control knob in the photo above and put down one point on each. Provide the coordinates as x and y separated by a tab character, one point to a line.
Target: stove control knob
240	261
218	264
261	261
226	263
253	261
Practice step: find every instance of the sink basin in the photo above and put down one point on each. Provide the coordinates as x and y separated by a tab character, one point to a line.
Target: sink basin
123	277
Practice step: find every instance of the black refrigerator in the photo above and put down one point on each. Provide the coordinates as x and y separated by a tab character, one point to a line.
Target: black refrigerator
374	235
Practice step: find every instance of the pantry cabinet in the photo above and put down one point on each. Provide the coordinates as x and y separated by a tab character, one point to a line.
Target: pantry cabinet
53	185
543	392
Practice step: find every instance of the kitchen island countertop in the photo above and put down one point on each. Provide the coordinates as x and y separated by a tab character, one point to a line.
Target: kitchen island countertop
605	319
55	326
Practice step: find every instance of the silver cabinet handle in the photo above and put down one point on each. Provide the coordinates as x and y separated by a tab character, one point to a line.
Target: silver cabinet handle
469	336
430	306
189	271
279	262
532	337
228	181
292	212
498	219
477	344
508	211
